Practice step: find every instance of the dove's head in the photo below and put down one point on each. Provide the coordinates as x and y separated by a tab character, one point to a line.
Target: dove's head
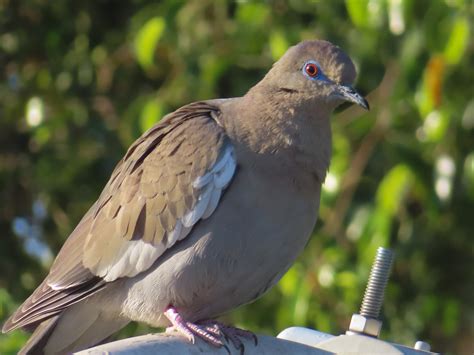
317	71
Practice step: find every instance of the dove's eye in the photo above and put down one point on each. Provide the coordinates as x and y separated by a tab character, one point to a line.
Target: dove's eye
311	69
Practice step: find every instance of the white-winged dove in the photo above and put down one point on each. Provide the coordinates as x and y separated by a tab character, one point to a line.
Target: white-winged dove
206	212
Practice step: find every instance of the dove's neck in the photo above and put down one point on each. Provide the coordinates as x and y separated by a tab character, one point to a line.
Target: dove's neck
293	135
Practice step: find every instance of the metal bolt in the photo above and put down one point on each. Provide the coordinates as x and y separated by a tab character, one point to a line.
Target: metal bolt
367	322
374	293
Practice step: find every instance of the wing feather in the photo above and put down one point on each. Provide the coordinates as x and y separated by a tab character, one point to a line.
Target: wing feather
169	179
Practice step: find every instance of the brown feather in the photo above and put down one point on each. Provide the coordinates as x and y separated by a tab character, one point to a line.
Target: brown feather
150	177
133	205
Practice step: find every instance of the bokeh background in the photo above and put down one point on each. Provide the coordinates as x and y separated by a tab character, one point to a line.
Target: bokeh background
81	80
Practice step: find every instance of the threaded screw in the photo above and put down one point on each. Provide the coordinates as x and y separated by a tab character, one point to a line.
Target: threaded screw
374	293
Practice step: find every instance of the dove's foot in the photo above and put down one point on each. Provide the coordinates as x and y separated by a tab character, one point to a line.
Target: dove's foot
230	333
210	331
190	330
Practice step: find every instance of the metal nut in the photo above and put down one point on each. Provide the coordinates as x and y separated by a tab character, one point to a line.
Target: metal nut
365	325
422	345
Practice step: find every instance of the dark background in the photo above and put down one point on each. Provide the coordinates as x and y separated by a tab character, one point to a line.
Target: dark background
81	80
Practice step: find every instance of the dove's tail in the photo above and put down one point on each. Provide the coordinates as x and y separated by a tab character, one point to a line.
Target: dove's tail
39	338
77	328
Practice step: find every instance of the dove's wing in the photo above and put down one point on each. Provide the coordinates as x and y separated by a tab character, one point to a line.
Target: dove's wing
170	178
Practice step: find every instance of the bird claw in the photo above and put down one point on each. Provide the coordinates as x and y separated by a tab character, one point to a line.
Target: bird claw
213	329
232	333
210	331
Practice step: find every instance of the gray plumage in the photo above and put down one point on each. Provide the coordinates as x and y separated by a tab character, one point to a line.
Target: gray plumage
206	211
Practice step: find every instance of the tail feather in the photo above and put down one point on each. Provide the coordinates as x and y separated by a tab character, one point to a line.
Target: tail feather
95	334
39	338
79	327
46	302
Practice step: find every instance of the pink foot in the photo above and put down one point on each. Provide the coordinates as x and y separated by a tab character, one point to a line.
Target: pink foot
210	331
231	333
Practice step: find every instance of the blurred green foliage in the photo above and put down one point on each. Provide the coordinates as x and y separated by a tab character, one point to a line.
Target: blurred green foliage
80	80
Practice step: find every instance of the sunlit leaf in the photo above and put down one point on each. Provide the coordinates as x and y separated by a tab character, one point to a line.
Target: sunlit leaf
358	223
393	189
288	283
147	39
435	125
252	13
376	235
358	12
278	44
342	150
42	135
12	342
458	41
346	279
151	114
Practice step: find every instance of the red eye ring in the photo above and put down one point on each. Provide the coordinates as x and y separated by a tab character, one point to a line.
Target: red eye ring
311	69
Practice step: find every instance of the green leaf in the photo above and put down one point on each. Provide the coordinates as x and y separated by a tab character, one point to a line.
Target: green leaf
301	305
288	283
469	174
151	113
347	279
458	41
358	12
11	343
412	45
146	40
435	125
393	189
278	44
451	315
253	14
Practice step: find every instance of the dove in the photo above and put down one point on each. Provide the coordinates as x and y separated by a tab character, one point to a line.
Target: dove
206	211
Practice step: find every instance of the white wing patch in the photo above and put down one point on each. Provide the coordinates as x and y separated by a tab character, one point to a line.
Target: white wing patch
137	256
211	184
190	218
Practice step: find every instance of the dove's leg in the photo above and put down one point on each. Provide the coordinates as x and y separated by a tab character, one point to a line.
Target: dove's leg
231	333
189	330
210	331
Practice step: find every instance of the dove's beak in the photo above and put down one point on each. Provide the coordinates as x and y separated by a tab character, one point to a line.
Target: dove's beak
348	93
